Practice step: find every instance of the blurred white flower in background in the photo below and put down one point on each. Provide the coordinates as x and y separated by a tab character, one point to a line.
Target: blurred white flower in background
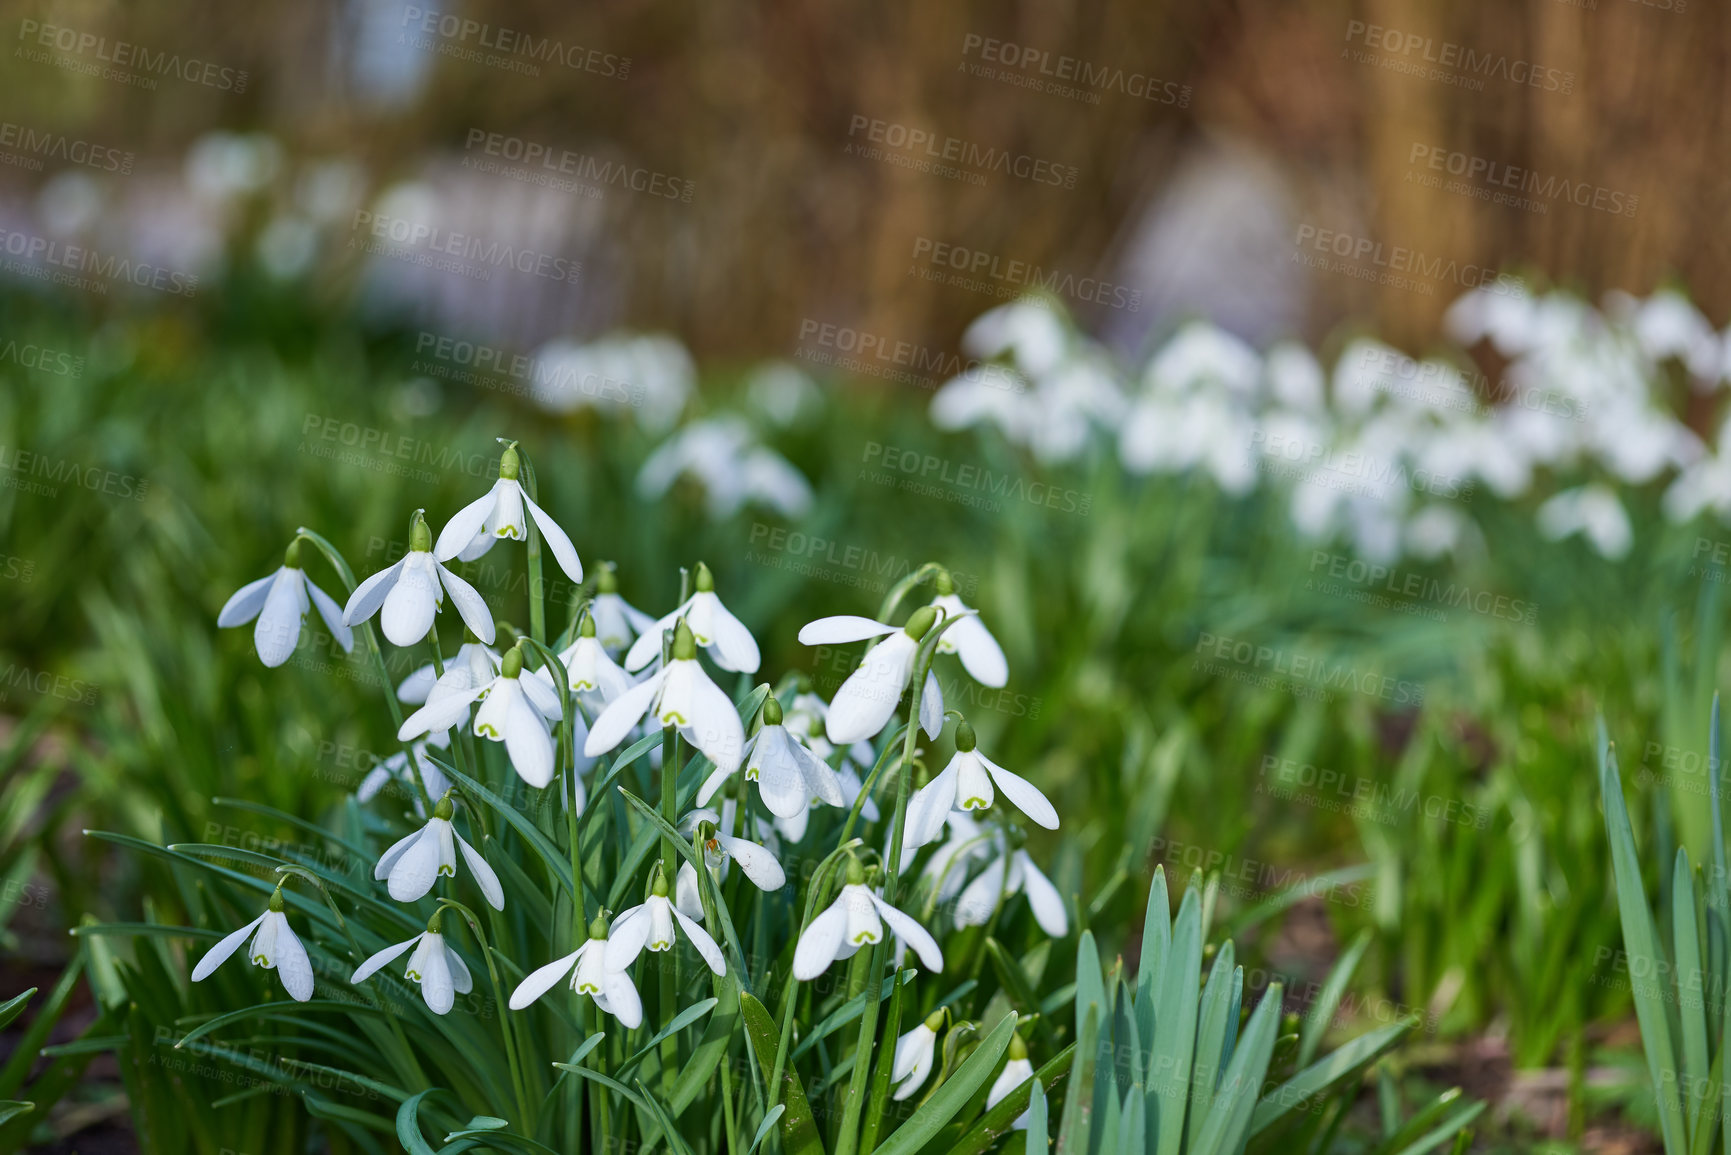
1592	511
723	456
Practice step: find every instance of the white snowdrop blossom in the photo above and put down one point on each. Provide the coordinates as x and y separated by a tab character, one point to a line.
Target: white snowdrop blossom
416	861
724	457
857	918
274	947
591	975
787	774
721	847
407	595
867	700
618	623
912	1064
968	781
594	677
396	769
1018	1070
1008	874
1592	511
516	708
499	513
969	639
651	925
712	625
680	694
437	969
280	603
474	665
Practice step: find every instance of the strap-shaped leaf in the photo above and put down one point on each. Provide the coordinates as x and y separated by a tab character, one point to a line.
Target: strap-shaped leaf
949	1098
1228	1124
798	1130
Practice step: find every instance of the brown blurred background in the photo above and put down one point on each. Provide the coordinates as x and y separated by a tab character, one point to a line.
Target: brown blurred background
1286	115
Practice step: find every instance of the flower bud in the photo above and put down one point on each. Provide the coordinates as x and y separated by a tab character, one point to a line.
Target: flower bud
703	581
607	580
276	900
923	620
420	537
684	645
941	581
598	925
510	465
771	711
1018	1049
513	662
586	627
965	740
445	808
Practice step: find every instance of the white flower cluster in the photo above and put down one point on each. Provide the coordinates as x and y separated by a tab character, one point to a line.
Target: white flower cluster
1385	450
631	676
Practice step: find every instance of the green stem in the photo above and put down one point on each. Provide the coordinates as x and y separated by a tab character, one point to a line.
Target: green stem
519	1088
537	590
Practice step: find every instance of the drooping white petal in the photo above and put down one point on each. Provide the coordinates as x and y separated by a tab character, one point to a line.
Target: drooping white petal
413	602
780	781
627	937
290	958
863	923
1024	794
415	688
436	985
973	784
822	939
841	629
759	864
1043	898
541	980
279	622
702	711
398	848
225	946
932	707
700	939
929	806
1015	1073
647	647
724	635
981	896
485	878
868	698
417	868
973	643
370	594
333	617
685	892
912	933
541	695
471	606
820	780
563	551
465	525
527	739
245	603
622	1001
460	976
621	714
441	712
371	967
913	1060
716	780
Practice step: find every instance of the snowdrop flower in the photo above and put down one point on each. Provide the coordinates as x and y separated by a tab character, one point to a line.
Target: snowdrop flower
947	868
651	925
856	919
788	776
515	709
1016	1072
595	678
274	947
968	781
969	639
409	593
679	694
396	769
474	665
411	866
617	622
434	967
279	602
914	1053
721	847
1010	874
499	514
866	701
1592	511
591	975
712	625
723	456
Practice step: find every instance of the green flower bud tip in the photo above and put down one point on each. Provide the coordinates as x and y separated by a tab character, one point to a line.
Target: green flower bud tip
436	923
598	926
935	1021
923	620
1018	1049
815	730
771	711
607	581
445	808
510	465
513	663
420	537
703	581
291	557
659	887
855	871
964	736
945	586
586	627
684	645
276	900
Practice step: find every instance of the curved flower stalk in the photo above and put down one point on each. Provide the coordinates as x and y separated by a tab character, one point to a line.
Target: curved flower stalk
1010	873
408	595
437	969
857	918
618	623
595	678
416	861
867	700
498	514
680	694
474	665
274	947
788	776
914	1053
515	709
714	627
280	603
968	781
1017	1071
968	638
651	925
591	975
396	769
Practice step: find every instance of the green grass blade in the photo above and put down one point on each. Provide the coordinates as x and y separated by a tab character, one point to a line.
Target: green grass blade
953	1094
1328	1001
